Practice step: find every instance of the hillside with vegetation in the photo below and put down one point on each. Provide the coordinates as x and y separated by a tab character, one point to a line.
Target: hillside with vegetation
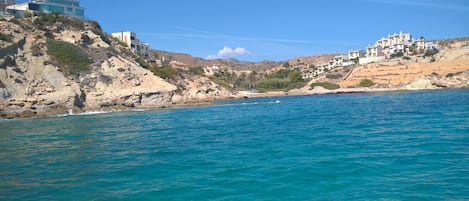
54	64
232	64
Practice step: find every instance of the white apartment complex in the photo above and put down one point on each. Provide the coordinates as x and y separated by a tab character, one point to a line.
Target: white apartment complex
398	43
132	42
68	7
212	70
355	54
390	45
386	47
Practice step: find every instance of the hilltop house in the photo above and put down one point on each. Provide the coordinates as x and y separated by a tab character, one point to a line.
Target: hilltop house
374	51
68	7
431	46
420	44
212	70
355	54
337	61
132	42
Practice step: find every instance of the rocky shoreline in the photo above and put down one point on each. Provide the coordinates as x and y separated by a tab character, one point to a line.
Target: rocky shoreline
58	110
38	106
34	84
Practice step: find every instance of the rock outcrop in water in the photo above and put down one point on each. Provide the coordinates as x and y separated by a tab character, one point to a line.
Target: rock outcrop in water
33	83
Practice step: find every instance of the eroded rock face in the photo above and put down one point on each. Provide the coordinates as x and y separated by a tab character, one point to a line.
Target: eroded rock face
422	83
199	89
35	87
32	87
457	80
119	82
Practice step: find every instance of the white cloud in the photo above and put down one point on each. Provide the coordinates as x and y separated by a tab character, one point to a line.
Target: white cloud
227	52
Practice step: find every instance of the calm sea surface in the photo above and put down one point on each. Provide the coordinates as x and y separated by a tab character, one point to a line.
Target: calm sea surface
379	146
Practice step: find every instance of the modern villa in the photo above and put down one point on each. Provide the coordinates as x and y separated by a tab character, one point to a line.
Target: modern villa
130	39
69	7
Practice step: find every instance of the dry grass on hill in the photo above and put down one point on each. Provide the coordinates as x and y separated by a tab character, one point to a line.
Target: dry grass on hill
398	73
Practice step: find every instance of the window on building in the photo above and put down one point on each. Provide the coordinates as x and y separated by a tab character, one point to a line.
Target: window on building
51	8
62	2
80	12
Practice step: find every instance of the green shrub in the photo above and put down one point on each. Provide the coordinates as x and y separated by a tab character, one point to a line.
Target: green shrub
296	85
295	76
220	81
12	49
49	35
5	37
18	81
99	31
366	83
45	19
68	57
406	58
27	15
165	72
16	21
41	25
86	40
140	60
333	76
121	43
397	54
197	71
18	70
273	84
74	22
95	24
431	52
412	48
8	61
326	85
280	74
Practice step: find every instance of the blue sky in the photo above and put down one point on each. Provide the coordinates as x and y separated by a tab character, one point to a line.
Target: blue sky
256	30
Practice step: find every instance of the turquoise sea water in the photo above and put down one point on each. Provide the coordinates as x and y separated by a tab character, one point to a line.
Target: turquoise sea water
379	146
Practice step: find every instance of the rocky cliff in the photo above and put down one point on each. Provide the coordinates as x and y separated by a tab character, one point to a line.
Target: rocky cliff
33	82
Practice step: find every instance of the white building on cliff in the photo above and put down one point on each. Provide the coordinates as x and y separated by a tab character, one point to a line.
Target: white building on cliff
68	7
131	40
